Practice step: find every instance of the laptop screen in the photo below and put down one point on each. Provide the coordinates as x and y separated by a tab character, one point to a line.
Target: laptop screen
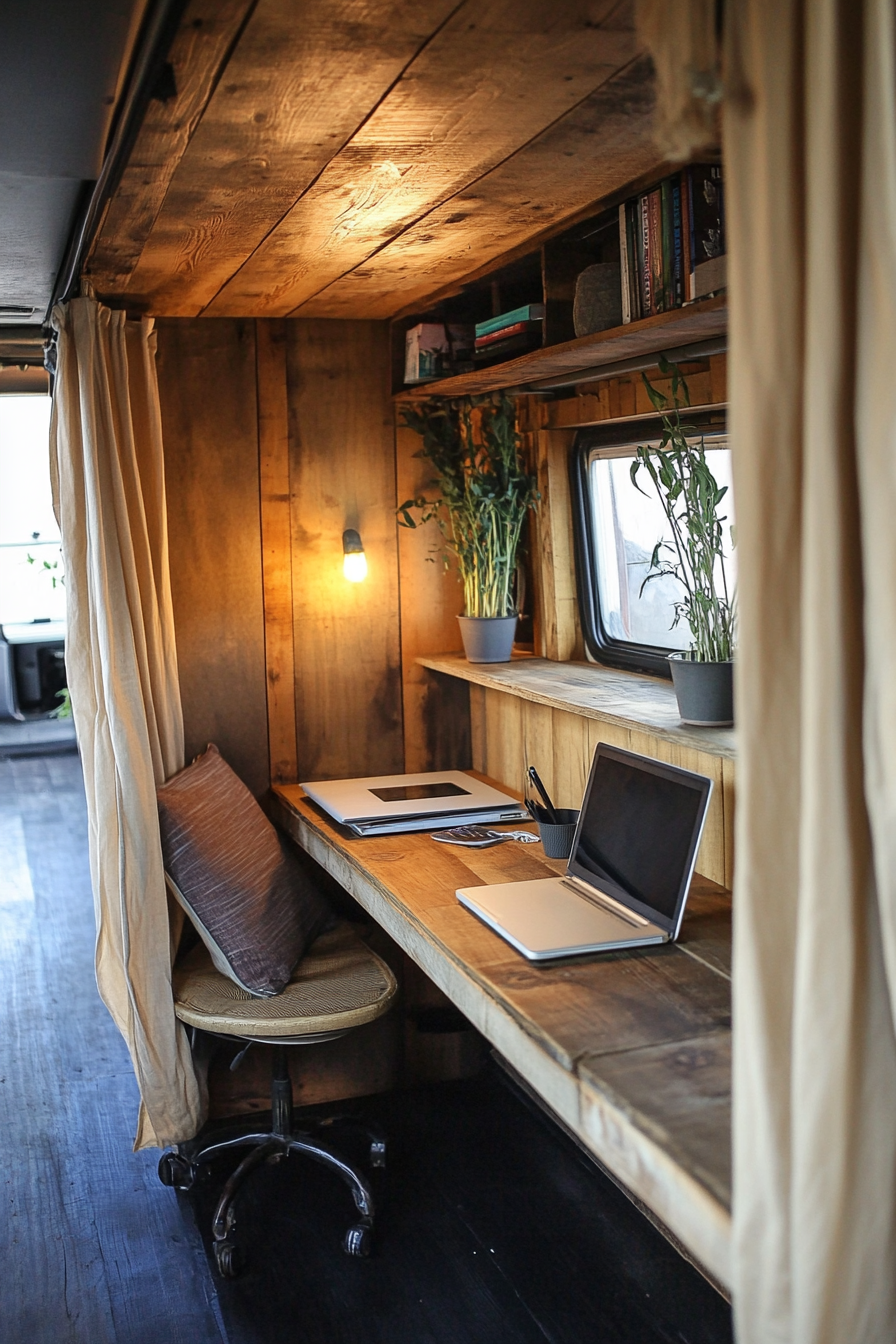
639	830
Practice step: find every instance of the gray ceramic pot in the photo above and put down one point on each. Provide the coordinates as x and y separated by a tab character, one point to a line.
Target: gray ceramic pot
705	691
487	639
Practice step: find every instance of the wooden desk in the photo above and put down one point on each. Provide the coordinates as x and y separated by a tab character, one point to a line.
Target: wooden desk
631	1050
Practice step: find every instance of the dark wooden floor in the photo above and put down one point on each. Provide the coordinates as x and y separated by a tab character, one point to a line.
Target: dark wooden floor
494	1229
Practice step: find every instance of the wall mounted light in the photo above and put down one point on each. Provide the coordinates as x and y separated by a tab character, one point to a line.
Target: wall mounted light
354	561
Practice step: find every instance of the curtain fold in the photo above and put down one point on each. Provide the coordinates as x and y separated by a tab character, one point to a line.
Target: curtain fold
109	494
811	218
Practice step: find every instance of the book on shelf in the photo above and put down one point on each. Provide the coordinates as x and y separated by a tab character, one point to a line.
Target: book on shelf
515	329
529	312
672	242
435	349
509	346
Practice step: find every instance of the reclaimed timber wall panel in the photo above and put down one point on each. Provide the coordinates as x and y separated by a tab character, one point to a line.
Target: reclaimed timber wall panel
301	80
207	388
436	708
489	80
276	541
510	734
342	474
595	150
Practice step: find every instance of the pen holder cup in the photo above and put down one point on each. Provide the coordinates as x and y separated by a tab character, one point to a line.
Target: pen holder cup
557	840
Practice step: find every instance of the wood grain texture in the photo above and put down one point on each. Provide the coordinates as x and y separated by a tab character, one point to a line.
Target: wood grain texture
276	541
546	1020
202	44
492	78
592	151
559	636
342	473
304	76
436	719
648	336
207	388
510	733
592	403
635	702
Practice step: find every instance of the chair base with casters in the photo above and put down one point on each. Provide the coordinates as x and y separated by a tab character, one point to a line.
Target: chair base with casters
338	985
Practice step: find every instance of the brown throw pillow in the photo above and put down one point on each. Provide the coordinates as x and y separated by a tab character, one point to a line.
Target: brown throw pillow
251	901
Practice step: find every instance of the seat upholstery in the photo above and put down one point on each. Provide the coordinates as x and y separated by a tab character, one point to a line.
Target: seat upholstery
339	984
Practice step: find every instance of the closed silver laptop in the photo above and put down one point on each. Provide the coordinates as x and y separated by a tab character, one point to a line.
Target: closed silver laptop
427	801
629	870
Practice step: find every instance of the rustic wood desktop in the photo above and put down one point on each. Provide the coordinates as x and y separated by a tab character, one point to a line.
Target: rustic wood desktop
630	1051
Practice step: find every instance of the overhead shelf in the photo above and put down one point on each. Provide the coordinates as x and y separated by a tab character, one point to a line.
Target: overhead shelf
652	335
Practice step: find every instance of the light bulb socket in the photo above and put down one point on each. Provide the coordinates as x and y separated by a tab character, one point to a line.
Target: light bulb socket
351	542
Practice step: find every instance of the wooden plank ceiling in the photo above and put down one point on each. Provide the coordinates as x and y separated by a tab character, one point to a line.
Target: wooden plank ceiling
353	158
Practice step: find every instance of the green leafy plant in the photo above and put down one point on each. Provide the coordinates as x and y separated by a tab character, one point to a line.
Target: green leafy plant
54	569
63	711
690	497
483	492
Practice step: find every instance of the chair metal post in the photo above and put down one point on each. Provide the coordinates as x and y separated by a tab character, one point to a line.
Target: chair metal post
281	1094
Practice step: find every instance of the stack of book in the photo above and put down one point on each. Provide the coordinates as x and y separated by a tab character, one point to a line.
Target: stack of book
509	334
672	243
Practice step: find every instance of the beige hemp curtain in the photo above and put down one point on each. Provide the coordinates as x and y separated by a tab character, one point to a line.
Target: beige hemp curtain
810	167
106	456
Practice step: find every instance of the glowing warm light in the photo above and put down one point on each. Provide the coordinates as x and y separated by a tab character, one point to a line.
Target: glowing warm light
354	566
354	561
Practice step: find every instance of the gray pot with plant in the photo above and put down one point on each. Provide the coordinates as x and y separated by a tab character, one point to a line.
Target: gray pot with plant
695	556
482	495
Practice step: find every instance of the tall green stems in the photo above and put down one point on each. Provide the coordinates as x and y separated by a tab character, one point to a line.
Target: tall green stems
690	497
483	494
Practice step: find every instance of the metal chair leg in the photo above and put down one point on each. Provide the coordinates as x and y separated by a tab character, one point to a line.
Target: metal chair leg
224	1221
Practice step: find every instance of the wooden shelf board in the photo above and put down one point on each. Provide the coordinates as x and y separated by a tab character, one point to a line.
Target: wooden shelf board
698	322
626	699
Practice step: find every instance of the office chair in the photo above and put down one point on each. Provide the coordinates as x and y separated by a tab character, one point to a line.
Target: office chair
339	985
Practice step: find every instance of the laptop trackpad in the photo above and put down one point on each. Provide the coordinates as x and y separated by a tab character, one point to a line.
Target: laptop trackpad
545	918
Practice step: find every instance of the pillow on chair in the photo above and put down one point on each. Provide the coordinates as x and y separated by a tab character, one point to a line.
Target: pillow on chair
251	901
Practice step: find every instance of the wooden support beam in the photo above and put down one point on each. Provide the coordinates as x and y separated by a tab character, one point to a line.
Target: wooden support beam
559	636
201	48
276	544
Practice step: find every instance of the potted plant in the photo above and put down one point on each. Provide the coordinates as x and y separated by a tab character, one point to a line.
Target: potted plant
690	497
482	494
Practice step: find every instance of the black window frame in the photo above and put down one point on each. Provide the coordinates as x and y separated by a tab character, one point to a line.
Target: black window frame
624	654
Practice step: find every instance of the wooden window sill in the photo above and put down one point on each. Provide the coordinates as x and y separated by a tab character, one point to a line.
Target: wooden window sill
624	699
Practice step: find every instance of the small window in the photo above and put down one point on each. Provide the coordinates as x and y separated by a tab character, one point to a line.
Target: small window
628	623
31	583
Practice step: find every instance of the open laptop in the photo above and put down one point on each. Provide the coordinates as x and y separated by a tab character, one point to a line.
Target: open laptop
392	804
629	870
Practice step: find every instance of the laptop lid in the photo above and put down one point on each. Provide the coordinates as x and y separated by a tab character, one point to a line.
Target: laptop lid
429	793
638	833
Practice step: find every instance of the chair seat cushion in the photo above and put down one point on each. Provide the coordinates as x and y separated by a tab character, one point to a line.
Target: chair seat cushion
339	984
253	904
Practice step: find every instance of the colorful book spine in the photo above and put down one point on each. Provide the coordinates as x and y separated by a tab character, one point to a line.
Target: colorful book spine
625	280
530	312
685	189
677	252
644	266
631	232
515	329
655	228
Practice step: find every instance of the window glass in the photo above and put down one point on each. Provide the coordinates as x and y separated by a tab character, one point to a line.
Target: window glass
31	586
627	525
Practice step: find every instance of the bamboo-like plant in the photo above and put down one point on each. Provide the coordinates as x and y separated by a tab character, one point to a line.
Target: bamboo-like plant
690	497
483	493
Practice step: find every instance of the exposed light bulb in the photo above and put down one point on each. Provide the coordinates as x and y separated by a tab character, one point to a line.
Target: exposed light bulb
354	561
354	566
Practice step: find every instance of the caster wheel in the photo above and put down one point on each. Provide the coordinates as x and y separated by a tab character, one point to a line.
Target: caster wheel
358	1241
176	1171
229	1259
